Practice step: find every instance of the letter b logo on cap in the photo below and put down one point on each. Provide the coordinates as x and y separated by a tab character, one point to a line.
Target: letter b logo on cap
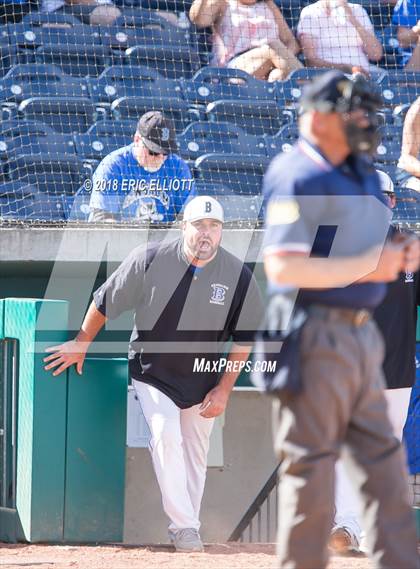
208	207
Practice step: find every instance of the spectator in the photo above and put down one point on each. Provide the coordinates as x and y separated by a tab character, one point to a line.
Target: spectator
407	18
338	34
145	180
409	162
251	35
95	12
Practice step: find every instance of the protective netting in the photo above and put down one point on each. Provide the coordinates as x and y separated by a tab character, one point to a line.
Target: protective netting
76	75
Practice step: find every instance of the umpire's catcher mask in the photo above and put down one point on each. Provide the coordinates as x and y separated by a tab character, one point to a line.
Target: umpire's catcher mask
355	98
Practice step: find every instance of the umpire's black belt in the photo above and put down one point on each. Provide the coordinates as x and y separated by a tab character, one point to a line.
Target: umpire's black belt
354	317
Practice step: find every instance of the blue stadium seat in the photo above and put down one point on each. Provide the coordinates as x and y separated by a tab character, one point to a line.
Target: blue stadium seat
131	81
40	28
52	176
388	152
20	201
38	80
239	209
255	117
400	88
173	61
288	92
392	57
175	109
77	60
32	137
142	27
223	138
7	51
211	84
65	115
282	141
76	207
408	206
243	174
103	137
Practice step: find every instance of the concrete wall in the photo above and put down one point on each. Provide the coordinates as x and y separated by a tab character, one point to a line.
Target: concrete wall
248	463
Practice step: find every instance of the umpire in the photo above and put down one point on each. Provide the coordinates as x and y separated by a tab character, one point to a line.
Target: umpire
190	297
336	402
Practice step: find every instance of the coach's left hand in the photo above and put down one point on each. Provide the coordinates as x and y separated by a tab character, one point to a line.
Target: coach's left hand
214	402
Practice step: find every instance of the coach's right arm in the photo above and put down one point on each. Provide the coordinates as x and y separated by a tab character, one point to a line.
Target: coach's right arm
117	295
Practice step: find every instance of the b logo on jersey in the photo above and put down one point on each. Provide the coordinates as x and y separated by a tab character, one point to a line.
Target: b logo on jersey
409	277
218	294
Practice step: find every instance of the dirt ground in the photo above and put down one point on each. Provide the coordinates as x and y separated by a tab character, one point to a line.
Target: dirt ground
231	556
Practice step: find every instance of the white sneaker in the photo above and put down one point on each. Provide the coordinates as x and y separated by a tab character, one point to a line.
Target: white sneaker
186	539
343	540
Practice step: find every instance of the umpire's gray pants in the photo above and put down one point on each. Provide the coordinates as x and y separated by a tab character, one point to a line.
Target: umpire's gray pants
342	407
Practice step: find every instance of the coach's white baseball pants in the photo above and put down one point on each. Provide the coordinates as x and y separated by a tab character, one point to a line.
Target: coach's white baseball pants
179	447
346	502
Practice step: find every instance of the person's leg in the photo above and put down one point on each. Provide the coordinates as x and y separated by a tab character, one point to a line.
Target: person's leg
398	401
347	503
270	58
196	431
347	512
163	418
309	429
375	462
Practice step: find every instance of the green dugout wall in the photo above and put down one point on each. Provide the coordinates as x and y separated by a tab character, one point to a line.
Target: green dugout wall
62	459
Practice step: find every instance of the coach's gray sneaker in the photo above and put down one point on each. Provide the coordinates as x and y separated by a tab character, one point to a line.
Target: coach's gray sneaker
186	539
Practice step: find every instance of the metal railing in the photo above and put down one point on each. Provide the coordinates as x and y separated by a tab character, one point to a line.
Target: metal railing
259	523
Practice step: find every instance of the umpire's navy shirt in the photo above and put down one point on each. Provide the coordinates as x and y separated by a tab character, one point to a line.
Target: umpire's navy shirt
174	302
291	225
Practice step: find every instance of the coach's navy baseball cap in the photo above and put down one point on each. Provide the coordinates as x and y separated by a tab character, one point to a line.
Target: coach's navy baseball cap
335	91
157	132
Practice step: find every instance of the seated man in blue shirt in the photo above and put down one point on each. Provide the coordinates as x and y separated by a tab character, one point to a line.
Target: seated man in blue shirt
143	181
407	18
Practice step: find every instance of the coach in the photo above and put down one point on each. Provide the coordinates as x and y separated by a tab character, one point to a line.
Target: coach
144	181
190	296
340	404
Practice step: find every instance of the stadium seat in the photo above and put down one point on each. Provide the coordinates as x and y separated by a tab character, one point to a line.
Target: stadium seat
38	80
40	28
238	209
32	137
211	84
65	115
388	152
143	27
282	141
243	174
77	60
7	54
392	57
255	117
20	201
131	81
173	62
76	207
408	205
400	88
175	109
103	137
223	138
52	176
288	92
